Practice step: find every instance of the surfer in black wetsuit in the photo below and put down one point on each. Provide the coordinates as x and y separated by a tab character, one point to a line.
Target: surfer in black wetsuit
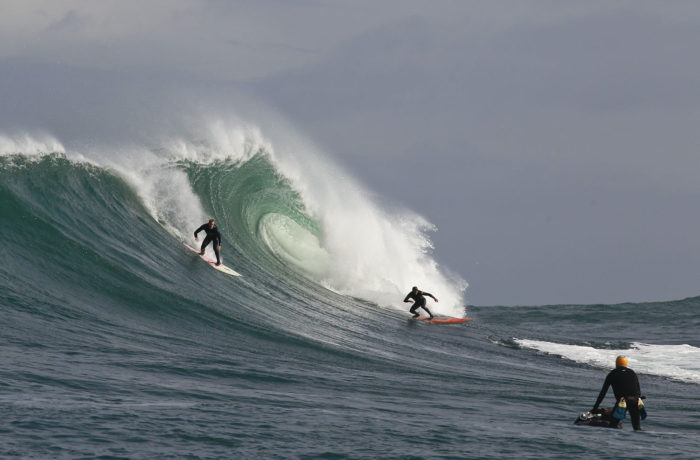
626	387
419	298
213	234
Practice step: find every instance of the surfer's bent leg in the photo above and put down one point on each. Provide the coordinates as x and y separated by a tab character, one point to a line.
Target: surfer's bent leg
416	305
426	309
206	241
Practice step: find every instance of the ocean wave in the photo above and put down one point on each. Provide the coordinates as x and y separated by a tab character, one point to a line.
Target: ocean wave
279	207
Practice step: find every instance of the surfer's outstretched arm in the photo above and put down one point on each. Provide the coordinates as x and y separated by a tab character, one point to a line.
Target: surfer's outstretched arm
430	295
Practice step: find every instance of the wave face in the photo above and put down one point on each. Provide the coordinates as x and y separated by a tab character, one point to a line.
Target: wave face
118	341
289	214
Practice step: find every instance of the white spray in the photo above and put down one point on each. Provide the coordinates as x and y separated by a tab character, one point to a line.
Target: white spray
365	251
678	362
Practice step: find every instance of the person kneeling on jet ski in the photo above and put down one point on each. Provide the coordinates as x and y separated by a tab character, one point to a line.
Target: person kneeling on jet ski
627	394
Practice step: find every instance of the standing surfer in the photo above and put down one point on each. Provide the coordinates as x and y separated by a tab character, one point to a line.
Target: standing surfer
213	234
419	298
627	394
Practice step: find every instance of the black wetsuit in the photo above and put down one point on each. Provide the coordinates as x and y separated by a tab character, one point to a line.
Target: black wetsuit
213	234
419	301
625	385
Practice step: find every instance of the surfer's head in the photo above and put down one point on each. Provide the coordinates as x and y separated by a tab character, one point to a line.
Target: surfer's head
414	288
211	222
621	361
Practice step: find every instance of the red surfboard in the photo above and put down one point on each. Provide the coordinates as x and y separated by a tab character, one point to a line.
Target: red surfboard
443	319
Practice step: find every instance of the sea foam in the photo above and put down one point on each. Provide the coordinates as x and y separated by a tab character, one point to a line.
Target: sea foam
677	362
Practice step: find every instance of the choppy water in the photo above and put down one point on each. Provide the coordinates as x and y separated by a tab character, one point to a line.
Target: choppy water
118	342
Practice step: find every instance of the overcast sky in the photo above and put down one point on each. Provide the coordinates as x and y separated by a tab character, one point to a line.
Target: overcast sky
555	144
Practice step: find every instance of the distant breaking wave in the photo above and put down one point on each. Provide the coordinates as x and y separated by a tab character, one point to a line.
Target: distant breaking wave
678	362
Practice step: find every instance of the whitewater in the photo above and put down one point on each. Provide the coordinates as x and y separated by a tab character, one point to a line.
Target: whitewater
118	342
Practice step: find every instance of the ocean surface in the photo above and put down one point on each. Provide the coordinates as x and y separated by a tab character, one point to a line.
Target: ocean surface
118	342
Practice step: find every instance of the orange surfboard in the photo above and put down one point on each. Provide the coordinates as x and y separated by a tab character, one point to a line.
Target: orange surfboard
443	319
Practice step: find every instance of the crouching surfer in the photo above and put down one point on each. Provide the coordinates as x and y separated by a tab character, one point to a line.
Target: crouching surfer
213	234
627	394
419	298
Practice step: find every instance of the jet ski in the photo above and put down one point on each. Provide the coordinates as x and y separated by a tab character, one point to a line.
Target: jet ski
598	417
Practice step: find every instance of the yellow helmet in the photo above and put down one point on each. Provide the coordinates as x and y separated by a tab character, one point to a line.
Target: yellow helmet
621	361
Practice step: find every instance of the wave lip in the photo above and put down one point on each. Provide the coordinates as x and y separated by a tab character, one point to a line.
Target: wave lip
676	362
